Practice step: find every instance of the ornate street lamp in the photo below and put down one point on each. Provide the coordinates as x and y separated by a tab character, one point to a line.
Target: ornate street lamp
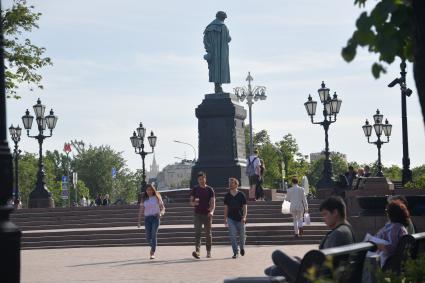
406	172
251	95
379	128
15	133
40	196
137	141
331	107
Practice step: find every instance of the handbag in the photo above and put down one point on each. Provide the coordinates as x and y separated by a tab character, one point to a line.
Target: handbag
306	219
286	205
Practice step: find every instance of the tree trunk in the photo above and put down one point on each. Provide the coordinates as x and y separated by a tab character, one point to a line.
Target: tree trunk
419	50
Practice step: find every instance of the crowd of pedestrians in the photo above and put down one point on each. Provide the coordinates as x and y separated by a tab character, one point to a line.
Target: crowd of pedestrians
332	209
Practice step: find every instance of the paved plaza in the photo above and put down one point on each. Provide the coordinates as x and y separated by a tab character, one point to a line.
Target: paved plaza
131	264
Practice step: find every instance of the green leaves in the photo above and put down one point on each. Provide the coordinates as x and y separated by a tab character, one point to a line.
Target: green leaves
386	30
377	69
22	58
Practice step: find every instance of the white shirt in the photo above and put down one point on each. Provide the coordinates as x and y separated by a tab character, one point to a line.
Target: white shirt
296	197
151	206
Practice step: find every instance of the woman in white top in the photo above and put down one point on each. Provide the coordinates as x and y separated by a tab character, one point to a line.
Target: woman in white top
152	208
296	196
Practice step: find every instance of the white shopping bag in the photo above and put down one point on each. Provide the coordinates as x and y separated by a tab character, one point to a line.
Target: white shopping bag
306	219
285	207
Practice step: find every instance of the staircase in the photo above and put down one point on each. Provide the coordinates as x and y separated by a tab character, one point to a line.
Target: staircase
116	225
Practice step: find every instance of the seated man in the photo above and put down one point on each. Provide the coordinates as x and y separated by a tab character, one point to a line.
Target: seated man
334	215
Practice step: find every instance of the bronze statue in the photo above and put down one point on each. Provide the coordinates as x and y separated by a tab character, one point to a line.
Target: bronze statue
216	42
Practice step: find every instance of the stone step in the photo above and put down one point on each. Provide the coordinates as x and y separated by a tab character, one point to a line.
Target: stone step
78	225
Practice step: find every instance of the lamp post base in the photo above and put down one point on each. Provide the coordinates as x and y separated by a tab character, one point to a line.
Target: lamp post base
10	245
41	203
41	198
325	188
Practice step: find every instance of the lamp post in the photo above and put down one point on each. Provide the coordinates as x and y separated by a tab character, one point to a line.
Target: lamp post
331	107
406	172
67	149
379	127
194	150
40	196
10	235
15	133
137	141
250	94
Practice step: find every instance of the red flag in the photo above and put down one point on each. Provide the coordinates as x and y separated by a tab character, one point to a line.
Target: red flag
67	147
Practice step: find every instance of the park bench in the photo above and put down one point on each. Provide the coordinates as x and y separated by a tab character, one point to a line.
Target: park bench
347	260
409	246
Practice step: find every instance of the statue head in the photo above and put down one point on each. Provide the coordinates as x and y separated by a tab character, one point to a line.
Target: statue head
221	15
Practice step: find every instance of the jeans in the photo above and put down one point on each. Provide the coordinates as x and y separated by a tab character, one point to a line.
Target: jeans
151	229
199	220
235	228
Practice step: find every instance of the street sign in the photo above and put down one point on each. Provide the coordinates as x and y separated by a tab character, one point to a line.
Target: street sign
65	191
114	172
74	178
65	179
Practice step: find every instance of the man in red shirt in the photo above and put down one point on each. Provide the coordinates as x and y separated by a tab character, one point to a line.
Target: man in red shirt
202	198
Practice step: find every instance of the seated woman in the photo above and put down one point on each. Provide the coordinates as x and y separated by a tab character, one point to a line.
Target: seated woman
411	228
392	232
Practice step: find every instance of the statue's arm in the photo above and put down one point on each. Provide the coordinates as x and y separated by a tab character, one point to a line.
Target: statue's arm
228	34
207	44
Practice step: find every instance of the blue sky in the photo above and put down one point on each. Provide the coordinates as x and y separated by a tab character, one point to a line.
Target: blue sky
117	63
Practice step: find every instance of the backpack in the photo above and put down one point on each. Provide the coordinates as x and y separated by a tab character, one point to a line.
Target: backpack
250	169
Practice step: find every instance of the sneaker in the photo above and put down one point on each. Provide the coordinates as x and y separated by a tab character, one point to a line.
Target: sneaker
196	255
152	257
235	255
242	252
208	254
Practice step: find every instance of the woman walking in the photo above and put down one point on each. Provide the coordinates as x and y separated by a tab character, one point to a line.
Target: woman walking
152	208
296	196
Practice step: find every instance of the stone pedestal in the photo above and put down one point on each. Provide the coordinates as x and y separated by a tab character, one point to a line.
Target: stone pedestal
221	140
40	197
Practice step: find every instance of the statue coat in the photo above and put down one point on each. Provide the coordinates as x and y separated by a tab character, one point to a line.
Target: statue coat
216	43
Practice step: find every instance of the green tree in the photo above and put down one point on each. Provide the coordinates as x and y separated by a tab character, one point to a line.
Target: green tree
339	166
94	168
394	172
28	168
393	28
27	175
288	149
258	139
418	178
272	175
23	59
126	185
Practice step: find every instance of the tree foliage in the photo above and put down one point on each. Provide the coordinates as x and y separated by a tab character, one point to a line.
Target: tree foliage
23	59
385	30
339	166
94	167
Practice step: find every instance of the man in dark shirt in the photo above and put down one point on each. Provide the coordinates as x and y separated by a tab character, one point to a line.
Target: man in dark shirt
235	211
334	215
98	200
202	197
